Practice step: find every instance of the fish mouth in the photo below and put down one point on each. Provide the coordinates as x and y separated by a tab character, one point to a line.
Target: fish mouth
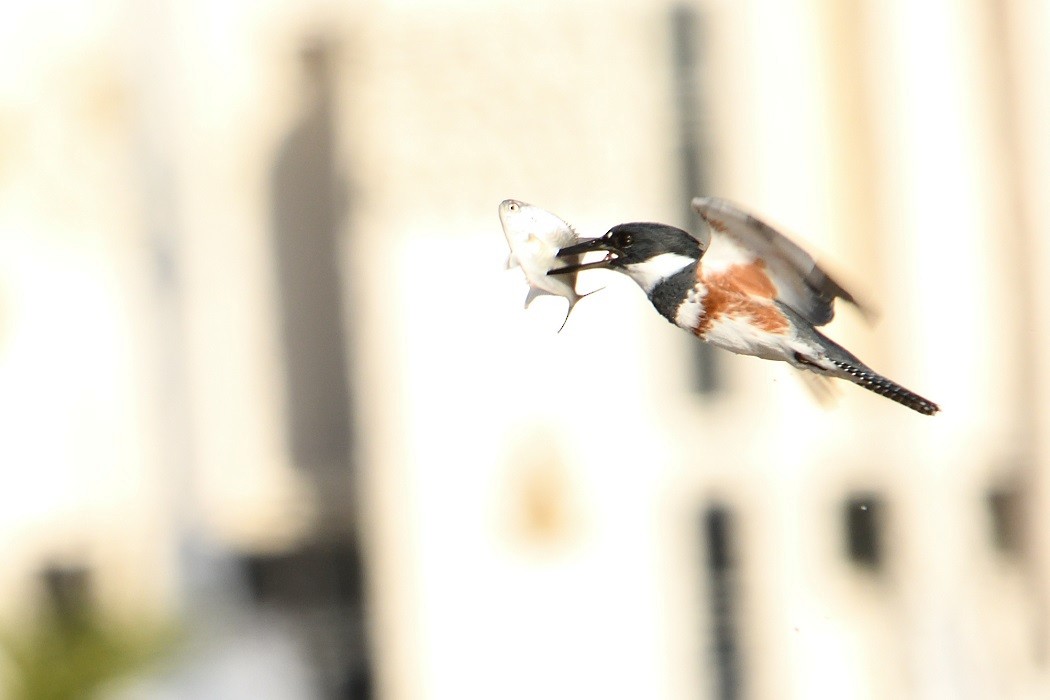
586	245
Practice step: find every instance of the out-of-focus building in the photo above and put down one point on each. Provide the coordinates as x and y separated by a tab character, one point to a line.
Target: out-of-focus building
262	372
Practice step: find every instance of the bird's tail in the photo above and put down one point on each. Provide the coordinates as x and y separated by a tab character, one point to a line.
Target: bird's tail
867	378
836	361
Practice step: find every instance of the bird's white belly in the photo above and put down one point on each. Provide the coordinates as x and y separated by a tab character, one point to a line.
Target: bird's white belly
738	334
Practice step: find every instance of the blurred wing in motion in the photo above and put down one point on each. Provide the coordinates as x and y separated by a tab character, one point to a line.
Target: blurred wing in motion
821	389
738	237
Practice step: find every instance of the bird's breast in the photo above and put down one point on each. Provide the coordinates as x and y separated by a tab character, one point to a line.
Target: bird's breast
743	294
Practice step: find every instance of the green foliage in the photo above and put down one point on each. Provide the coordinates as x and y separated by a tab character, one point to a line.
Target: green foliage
63	658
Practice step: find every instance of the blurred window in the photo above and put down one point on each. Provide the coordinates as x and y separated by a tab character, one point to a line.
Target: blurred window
719	546
864	516
1005	506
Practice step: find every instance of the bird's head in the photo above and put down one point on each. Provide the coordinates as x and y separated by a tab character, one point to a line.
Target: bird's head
647	252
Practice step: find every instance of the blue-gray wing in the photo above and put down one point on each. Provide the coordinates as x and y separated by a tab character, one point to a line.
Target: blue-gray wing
737	237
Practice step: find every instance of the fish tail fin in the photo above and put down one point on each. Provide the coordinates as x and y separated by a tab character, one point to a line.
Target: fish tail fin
572	304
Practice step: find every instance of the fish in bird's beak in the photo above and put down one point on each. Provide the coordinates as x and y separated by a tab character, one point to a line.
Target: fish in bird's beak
586	245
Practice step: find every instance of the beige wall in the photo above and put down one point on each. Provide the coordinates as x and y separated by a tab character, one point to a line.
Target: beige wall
523	543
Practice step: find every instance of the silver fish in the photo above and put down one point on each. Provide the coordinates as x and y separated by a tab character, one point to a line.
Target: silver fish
535	235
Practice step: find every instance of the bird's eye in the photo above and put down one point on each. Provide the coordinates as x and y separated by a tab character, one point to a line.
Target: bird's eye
513	207
627	239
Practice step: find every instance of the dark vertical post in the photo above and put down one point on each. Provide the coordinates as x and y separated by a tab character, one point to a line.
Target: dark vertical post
685	37
320	583
308	211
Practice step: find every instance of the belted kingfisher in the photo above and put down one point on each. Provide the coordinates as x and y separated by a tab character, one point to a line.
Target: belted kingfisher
742	286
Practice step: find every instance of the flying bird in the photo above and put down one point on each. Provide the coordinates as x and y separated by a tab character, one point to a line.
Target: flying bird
741	286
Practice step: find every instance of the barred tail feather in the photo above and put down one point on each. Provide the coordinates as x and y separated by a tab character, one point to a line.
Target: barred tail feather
868	379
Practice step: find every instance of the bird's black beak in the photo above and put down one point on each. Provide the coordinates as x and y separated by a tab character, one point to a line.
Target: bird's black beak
585	246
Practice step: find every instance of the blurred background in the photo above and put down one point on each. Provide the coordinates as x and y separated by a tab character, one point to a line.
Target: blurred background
273	423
